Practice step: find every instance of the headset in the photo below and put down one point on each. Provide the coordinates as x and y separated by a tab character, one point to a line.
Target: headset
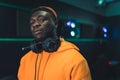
49	45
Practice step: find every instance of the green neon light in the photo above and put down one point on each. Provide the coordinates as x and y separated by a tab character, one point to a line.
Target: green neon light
69	39
100	2
14	6
15	39
86	40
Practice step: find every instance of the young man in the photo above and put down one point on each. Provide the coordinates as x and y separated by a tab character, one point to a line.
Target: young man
50	57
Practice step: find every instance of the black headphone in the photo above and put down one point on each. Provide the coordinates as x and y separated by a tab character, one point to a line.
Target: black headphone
49	45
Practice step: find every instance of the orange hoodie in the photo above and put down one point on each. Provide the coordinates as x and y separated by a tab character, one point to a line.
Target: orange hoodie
64	64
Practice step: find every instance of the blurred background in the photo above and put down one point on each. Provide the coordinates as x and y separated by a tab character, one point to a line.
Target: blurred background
93	25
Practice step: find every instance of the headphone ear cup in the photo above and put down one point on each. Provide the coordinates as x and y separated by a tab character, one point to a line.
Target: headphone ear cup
51	45
35	47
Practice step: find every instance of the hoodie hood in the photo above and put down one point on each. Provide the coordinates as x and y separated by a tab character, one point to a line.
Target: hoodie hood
66	46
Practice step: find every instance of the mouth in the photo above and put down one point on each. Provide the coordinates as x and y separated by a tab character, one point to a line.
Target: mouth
37	32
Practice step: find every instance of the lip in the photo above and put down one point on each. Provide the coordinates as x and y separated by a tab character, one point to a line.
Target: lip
37	32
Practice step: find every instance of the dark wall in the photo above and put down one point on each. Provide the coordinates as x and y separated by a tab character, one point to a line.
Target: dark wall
10	55
7	22
80	15
114	35
23	27
17	24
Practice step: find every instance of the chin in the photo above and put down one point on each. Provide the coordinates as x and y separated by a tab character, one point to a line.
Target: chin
40	37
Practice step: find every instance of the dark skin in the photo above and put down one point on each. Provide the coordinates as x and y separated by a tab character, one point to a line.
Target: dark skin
42	25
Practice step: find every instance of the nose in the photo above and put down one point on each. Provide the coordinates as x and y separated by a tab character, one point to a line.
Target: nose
36	24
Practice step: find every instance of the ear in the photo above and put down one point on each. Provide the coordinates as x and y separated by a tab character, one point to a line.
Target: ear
56	23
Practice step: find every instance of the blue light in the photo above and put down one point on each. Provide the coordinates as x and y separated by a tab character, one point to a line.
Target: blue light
68	23
72	33
105	36
73	25
113	62
104	29
71	29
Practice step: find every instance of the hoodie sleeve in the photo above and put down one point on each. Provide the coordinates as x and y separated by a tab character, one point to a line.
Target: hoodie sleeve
81	71
20	69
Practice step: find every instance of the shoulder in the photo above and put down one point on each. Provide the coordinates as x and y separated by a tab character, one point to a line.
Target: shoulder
29	55
71	51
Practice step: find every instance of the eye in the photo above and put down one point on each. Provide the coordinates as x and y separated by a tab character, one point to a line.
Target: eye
32	21
40	19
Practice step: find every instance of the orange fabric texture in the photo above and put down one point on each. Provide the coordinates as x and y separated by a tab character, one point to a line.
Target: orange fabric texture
64	64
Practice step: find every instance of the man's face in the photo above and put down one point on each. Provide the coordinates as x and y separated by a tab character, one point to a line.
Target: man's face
41	24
